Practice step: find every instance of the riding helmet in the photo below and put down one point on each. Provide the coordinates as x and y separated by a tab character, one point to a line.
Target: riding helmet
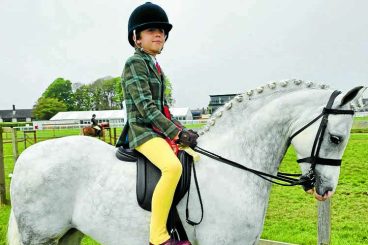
146	16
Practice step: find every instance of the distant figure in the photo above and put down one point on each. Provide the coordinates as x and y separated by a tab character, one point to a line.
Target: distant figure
95	125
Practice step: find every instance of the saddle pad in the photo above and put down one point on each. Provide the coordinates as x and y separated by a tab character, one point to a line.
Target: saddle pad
148	175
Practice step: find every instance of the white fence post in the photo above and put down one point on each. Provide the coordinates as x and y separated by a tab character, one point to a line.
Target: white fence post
2	171
15	144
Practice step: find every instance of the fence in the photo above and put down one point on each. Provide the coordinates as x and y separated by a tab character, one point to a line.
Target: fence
2	171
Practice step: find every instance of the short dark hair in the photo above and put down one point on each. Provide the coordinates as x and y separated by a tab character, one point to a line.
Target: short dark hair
138	34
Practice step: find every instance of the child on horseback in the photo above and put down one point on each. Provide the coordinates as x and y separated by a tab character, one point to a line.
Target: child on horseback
95	125
147	112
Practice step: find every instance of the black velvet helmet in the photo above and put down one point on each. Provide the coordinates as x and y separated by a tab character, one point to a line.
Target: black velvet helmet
146	16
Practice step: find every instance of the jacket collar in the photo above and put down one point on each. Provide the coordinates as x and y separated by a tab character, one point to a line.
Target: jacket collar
148	60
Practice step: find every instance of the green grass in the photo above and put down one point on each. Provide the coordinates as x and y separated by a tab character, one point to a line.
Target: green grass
360	118
292	214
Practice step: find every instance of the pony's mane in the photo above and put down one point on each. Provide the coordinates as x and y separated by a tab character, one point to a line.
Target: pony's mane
270	88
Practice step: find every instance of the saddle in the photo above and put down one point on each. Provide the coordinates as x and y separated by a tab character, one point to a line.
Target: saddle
147	177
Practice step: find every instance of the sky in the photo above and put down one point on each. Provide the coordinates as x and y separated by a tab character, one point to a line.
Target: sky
215	46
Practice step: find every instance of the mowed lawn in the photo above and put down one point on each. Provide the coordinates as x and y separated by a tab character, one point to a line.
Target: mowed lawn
292	214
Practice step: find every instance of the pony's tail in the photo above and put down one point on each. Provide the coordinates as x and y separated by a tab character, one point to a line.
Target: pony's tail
13	232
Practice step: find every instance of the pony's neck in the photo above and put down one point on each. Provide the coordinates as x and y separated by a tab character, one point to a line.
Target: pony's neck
258	130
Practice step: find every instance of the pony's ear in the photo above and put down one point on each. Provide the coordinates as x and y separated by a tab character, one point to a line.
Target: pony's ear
351	95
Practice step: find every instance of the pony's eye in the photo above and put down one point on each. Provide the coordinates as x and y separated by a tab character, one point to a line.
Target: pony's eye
335	139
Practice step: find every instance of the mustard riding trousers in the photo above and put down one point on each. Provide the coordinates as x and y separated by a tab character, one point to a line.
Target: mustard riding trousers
158	151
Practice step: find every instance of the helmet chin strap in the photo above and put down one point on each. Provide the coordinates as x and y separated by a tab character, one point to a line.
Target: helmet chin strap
141	48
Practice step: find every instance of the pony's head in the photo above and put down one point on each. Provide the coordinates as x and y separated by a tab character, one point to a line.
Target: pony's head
321	142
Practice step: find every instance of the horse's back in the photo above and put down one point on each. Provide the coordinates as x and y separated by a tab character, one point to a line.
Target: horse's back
56	182
55	170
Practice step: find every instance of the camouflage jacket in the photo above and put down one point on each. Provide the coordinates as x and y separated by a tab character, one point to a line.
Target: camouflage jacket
144	98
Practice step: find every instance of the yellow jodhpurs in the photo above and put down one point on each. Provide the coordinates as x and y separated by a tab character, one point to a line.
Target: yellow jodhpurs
158	151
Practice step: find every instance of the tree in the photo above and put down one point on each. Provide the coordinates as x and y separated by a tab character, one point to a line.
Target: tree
45	108
61	89
168	92
106	93
83	98
119	93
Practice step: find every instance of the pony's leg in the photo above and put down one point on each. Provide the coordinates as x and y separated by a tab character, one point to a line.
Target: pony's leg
33	239
72	237
38	232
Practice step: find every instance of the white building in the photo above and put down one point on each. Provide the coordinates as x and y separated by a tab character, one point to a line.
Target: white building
115	118
181	113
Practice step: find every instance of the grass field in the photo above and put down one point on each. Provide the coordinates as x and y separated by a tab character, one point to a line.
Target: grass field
292	214
360	118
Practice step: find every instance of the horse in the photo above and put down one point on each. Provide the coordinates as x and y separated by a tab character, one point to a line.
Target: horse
66	188
91	131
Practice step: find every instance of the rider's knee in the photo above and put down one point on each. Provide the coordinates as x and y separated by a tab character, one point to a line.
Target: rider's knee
174	168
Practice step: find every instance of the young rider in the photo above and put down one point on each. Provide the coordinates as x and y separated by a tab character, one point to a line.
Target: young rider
143	85
95	125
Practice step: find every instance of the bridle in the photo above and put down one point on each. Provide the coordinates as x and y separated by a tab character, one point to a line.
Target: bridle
314	159
307	181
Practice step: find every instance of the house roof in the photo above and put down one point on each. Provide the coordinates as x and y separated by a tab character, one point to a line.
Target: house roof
19	113
216	95
177	112
196	112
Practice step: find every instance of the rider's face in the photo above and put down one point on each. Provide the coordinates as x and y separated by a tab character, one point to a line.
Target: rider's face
152	40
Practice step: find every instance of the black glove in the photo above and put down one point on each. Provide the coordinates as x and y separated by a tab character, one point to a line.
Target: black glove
188	138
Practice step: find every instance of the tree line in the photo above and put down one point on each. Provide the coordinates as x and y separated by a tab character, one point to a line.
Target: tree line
102	94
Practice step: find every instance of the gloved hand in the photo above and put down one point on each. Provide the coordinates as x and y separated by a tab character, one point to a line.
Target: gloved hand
188	138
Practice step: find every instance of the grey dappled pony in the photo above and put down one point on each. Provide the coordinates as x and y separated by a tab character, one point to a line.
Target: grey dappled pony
65	188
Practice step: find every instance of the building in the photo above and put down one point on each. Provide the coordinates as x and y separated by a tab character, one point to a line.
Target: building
365	104
16	115
115	118
217	101
181	113
197	114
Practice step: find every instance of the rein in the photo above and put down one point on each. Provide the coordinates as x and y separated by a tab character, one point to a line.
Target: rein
308	180
280	176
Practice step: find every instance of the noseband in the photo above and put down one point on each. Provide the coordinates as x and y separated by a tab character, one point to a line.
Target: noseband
314	159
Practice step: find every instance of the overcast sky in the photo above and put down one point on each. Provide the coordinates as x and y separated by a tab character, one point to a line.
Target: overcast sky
215	47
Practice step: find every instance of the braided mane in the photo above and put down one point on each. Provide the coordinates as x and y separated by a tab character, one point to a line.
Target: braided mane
270	88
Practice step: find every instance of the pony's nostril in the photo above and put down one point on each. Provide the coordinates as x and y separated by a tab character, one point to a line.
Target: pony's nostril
323	190
326	190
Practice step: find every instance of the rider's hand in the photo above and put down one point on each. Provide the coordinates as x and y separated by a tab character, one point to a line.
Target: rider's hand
188	138
176	138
